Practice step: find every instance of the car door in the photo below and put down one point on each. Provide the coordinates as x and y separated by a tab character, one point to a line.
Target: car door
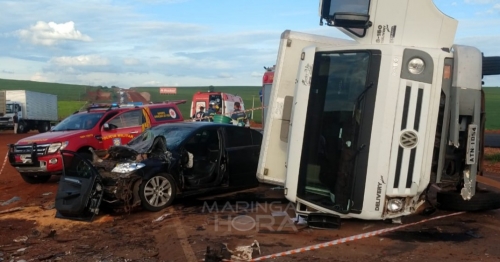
241	156
122	128
80	191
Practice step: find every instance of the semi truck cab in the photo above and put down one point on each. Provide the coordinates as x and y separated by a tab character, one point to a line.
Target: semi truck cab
361	128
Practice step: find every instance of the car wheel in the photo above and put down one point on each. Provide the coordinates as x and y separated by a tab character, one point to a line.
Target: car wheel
43	127
481	201
21	128
35	178
157	192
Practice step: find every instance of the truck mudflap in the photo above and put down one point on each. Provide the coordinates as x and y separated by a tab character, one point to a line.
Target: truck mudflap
80	190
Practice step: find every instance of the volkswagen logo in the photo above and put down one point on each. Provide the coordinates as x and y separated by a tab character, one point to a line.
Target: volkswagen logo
408	139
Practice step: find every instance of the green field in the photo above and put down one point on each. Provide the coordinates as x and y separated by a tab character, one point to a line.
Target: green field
72	97
492	96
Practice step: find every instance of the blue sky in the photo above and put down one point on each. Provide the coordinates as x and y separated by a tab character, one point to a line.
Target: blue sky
179	42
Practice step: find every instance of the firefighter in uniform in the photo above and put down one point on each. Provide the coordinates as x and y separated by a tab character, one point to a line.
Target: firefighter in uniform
239	115
200	115
211	112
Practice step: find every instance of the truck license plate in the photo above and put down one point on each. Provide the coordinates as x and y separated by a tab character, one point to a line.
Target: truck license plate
472	145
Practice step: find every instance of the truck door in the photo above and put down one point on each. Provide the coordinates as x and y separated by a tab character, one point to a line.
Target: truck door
122	128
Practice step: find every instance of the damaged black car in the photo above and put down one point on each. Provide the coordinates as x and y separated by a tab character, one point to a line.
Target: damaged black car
161	164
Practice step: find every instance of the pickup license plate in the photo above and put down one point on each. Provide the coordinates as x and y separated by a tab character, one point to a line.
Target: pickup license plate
472	145
25	158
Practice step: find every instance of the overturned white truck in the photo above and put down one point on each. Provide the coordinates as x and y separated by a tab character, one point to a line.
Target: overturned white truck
363	128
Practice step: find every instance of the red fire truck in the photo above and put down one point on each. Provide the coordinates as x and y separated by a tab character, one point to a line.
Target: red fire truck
265	93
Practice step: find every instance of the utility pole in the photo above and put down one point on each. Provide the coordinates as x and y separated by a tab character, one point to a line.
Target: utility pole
253	106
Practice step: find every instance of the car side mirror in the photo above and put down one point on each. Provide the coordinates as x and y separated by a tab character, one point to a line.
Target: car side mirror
107	126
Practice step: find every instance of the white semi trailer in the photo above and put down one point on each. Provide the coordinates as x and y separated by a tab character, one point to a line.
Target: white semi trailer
35	111
361	128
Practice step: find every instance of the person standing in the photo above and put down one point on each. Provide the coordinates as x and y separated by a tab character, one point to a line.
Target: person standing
200	115
211	112
239	115
15	119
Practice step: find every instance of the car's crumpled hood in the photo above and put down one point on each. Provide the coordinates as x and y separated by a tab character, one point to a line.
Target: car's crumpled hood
142	144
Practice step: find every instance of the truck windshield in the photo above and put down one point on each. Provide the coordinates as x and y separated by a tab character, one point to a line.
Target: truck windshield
9	108
335	116
84	121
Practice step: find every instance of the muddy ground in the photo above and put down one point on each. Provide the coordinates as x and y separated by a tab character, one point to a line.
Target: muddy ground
190	225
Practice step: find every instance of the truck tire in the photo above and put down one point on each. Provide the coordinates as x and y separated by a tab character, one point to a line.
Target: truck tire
43	127
21	127
35	178
481	201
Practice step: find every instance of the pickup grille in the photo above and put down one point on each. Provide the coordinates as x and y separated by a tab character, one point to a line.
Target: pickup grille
26	149
5	118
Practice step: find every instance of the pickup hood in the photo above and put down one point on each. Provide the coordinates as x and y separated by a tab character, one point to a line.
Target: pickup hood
53	137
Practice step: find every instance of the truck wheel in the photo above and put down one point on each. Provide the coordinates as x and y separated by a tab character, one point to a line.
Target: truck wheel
35	178
43	127
481	201
21	128
158	192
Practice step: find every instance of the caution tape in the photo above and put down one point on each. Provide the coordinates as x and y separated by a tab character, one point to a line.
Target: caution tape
4	162
349	239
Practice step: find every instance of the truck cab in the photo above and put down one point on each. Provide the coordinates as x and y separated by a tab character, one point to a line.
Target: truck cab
360	128
37	157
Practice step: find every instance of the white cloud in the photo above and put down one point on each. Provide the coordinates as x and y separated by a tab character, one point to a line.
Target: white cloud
51	33
481	2
225	75
82	60
256	74
131	61
38	77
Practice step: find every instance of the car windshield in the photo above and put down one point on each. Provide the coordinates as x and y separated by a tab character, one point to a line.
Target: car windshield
84	121
174	135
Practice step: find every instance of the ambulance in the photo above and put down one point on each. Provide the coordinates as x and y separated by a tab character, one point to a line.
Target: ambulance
222	102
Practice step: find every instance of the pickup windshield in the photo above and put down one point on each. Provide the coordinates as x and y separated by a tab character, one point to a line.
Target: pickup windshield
80	121
334	119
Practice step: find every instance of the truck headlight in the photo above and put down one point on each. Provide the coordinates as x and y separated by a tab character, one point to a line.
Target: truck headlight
416	66
56	146
395	205
124	168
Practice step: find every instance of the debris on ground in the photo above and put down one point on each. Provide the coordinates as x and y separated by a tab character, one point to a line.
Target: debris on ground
12	210
299	220
21	239
162	217
47	194
244	252
10	201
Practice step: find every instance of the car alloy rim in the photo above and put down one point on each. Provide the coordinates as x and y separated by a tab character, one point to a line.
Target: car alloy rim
158	191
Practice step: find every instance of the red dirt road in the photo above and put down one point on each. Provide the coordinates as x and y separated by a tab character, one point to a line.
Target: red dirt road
33	234
136	97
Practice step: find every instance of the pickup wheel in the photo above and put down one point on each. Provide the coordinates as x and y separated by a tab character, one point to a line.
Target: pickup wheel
158	192
35	178
481	201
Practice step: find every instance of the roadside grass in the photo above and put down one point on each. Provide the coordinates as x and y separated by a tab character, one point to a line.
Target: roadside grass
72	97
495	158
66	108
492	97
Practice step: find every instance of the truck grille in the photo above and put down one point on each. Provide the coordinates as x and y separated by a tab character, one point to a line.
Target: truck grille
408	151
26	149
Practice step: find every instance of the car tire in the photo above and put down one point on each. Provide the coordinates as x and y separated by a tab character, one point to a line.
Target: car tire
35	178
157	192
44	127
21	127
481	201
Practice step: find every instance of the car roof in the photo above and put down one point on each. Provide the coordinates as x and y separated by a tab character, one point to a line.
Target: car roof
197	125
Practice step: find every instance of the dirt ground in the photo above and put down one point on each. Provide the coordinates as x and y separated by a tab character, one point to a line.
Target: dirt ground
190	225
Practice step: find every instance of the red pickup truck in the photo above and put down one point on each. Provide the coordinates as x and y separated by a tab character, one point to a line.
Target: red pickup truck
37	157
